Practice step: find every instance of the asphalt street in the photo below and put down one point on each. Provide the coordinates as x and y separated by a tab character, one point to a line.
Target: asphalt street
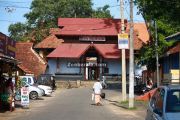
76	104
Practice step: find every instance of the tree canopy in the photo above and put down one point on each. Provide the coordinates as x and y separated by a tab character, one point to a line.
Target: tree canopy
166	14
45	13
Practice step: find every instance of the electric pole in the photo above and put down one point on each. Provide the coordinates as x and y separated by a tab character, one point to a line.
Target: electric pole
157	58
131	61
124	98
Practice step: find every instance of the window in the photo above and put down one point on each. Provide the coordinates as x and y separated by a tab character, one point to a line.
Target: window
157	99
173	101
29	80
23	81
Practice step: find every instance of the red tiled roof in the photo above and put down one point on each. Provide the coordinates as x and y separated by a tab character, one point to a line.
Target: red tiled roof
69	51
50	42
88	26
141	30
108	50
96	26
138	43
174	49
29	58
66	50
26	70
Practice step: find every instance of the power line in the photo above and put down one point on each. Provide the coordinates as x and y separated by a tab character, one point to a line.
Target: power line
8	21
15	7
13	1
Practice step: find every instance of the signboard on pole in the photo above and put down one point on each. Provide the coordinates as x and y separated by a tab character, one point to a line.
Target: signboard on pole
123	41
25	96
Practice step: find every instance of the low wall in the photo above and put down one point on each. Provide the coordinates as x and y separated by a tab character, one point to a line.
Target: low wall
68	77
73	83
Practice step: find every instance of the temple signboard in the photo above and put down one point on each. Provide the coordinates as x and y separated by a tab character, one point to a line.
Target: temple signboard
7	45
92	38
2	43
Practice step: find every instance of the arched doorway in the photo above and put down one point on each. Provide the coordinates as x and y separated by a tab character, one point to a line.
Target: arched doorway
92	59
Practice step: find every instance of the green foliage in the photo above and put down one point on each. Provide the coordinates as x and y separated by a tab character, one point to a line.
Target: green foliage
17	31
167	10
102	12
168	20
44	14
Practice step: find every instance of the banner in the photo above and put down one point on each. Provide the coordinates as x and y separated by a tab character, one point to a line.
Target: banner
25	96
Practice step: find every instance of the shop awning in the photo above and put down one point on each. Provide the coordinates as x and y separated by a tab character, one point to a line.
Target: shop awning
65	50
8	59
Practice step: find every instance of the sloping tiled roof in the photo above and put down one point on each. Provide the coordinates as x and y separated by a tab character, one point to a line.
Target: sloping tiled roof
141	30
96	26
50	42
69	51
108	50
26	70
76	50
29	59
174	49
88	26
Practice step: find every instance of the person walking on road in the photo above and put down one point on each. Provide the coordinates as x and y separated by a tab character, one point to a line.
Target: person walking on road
97	88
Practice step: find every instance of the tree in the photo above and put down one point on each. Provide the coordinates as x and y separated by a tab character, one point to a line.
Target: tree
164	12
167	10
102	12
45	13
17	31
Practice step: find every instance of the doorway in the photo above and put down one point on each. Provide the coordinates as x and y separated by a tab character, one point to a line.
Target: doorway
92	71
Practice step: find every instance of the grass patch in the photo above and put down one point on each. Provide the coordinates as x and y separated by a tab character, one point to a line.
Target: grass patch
137	105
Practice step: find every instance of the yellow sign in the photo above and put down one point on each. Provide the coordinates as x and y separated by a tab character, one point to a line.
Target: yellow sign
123	41
175	72
123	36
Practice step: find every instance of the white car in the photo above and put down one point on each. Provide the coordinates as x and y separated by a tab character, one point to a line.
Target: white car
31	81
47	90
34	91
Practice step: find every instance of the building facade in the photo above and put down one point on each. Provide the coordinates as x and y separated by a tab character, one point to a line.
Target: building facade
88	48
171	61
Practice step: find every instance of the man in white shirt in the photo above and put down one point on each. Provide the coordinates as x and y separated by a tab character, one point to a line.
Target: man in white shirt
97	91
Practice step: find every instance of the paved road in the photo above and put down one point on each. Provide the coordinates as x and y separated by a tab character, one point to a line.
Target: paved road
75	104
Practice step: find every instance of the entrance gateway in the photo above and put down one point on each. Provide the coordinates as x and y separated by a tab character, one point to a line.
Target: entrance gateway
92	70
84	61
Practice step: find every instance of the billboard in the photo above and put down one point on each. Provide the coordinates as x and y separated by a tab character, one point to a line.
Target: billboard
11	47
2	43
7	45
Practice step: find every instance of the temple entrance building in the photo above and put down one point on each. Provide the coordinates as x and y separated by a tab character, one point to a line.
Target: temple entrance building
87	48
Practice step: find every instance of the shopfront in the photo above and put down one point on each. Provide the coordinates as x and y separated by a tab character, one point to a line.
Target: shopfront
8	65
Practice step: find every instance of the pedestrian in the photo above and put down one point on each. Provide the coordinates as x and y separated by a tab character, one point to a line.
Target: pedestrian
104	84
97	88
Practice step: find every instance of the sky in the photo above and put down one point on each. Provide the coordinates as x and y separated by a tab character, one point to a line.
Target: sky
12	11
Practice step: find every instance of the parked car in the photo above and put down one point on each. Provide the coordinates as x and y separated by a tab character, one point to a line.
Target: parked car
47	79
47	90
34	92
165	104
31	80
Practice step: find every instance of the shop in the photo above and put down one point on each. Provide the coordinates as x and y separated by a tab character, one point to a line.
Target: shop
8	65
88	48
170	62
